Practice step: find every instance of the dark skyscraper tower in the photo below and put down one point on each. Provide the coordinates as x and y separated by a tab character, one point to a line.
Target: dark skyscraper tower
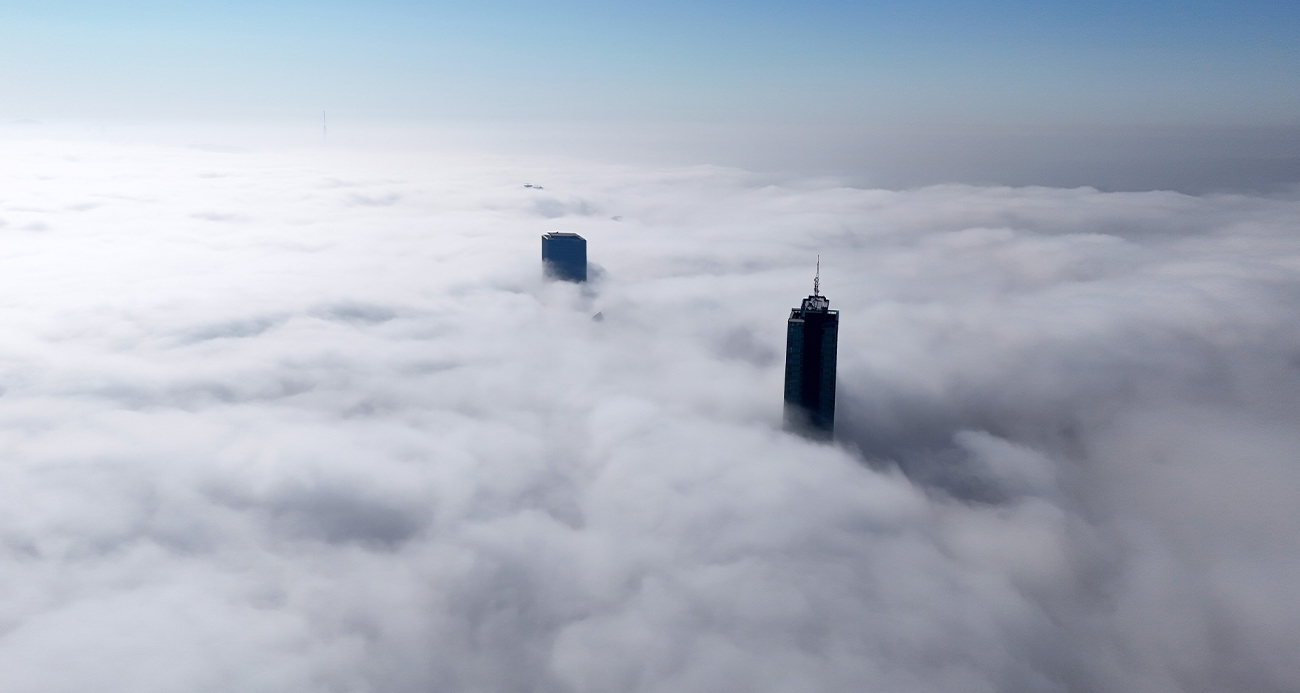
810	344
564	256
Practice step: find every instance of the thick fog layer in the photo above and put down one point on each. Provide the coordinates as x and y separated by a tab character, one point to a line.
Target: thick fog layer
312	421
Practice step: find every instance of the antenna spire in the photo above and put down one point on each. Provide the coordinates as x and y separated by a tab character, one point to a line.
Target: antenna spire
817	279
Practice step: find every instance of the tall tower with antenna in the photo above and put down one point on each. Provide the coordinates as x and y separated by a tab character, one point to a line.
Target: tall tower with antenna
811	340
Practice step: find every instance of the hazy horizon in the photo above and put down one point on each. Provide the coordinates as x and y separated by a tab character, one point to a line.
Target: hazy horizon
1188	159
1197	96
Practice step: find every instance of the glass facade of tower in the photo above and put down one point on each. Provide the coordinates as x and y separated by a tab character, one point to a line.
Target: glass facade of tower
810	346
564	256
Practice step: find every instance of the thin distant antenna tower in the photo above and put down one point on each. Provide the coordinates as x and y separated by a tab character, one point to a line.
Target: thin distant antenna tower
324	127
817	278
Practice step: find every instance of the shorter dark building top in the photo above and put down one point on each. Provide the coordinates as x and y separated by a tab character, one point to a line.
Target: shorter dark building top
564	256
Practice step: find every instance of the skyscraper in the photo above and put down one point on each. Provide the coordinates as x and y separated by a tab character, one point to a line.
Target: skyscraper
810	344
564	256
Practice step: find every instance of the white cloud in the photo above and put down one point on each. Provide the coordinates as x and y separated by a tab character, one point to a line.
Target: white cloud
312	421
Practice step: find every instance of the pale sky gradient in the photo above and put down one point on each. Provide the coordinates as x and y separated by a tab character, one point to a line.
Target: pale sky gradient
1188	63
1194	96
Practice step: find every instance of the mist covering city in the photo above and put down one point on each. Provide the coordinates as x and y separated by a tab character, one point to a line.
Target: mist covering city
289	401
313	420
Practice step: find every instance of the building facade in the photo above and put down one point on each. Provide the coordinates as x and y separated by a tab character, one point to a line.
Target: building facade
810	352
564	256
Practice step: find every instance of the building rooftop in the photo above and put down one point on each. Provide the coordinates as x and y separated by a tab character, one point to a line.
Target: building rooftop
817	304
562	234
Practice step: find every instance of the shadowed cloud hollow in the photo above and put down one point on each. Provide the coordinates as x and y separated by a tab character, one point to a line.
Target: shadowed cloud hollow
312	421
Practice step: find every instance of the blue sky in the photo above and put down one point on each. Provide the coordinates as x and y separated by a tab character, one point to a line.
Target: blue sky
1187	63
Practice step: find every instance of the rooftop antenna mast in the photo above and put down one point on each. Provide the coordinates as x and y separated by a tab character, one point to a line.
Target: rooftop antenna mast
324	127
817	279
